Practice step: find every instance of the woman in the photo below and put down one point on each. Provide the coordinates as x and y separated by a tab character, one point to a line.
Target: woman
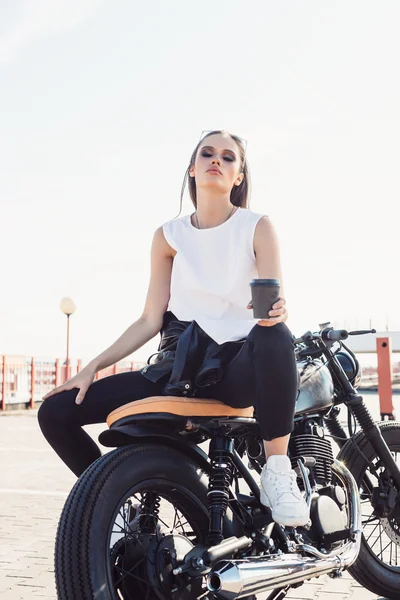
201	267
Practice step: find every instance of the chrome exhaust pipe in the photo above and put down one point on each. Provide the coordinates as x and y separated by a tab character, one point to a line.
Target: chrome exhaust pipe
234	579
241	578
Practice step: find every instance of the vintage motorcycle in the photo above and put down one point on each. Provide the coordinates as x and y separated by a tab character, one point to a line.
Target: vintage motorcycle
162	517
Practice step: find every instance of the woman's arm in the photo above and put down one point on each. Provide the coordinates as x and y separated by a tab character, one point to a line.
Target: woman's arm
150	322
142	330
266	249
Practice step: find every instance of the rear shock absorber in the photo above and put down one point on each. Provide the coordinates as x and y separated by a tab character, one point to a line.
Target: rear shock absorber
221	448
148	511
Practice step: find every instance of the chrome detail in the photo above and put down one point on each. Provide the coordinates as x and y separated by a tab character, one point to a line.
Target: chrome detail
237	578
306	481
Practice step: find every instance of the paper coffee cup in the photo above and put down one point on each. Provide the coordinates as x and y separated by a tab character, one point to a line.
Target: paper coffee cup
264	294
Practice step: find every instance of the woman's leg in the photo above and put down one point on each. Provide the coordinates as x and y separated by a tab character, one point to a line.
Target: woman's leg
264	374
61	420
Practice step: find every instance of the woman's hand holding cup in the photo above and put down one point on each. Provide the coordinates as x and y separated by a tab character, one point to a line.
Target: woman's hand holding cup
266	303
278	312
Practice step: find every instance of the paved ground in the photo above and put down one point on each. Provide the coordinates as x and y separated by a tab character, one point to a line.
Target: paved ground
33	486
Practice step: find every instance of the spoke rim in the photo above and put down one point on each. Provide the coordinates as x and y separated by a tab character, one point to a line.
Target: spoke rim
120	531
382	546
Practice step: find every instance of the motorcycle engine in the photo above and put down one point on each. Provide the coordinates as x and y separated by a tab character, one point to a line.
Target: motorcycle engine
310	441
328	515
328	502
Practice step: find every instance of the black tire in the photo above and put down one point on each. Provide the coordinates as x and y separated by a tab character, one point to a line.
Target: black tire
371	572
82	556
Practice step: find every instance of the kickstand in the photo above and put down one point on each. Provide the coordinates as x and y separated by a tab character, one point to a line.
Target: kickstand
279	594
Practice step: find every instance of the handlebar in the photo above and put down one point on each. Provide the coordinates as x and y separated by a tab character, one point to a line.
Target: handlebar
329	334
334	335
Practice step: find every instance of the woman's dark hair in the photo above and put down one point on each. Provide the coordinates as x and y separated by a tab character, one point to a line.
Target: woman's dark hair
239	193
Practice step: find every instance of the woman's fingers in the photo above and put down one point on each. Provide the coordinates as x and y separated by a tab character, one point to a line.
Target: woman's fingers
278	309
60	388
279	303
278	312
80	395
52	392
81	381
279	306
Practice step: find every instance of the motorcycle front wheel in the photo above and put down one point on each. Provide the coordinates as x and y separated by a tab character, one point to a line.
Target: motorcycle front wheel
377	567
130	518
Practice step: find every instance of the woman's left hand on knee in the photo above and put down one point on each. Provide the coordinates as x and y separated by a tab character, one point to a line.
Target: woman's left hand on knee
278	313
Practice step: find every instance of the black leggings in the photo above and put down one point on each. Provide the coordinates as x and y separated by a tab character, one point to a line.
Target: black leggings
263	375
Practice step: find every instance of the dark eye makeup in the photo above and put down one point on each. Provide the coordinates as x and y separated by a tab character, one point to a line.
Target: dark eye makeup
207	154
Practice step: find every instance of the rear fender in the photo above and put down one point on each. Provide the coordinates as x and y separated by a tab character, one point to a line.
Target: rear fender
131	433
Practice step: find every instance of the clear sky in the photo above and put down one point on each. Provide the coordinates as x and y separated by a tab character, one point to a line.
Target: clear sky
101	104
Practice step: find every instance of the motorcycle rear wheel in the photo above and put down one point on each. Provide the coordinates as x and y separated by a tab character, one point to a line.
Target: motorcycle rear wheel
95	558
377	567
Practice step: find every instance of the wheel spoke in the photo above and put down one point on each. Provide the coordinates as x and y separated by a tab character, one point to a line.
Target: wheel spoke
134	551
163	523
380	534
180	523
372	533
175	516
376	539
370	520
122	529
381	553
124	516
126	573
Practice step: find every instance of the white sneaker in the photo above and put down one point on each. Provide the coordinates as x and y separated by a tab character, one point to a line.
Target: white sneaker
279	491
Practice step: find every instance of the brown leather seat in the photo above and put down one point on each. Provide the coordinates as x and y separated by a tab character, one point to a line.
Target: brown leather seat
185	407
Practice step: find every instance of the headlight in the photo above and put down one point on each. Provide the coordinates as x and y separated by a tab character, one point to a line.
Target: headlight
350	366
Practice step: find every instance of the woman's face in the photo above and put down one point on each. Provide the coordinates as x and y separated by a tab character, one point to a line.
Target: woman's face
217	163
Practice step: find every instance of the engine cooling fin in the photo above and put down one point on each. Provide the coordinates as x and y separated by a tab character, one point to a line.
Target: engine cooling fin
319	448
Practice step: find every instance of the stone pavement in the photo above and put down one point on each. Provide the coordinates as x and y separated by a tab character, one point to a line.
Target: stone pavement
34	484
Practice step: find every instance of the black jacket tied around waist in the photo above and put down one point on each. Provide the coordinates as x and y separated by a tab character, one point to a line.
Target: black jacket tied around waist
190	357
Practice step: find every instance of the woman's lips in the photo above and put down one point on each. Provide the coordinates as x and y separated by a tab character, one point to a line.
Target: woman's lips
214	171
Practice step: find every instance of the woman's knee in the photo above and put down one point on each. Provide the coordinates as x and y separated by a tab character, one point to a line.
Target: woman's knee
57	410
274	336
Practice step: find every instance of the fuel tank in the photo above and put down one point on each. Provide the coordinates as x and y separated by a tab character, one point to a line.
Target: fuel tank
315	387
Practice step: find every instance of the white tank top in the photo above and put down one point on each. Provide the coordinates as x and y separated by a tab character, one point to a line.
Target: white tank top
211	273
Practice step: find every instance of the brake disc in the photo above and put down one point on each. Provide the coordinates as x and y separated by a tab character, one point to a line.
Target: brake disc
392	529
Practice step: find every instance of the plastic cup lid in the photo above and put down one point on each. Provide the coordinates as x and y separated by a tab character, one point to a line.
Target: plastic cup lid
270	282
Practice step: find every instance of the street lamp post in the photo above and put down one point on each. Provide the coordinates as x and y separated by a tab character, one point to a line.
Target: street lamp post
68	307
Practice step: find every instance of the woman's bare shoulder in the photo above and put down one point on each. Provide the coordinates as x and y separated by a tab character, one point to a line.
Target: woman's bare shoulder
265	235
161	244
170	232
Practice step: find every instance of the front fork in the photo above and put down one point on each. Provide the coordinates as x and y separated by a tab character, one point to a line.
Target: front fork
372	433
